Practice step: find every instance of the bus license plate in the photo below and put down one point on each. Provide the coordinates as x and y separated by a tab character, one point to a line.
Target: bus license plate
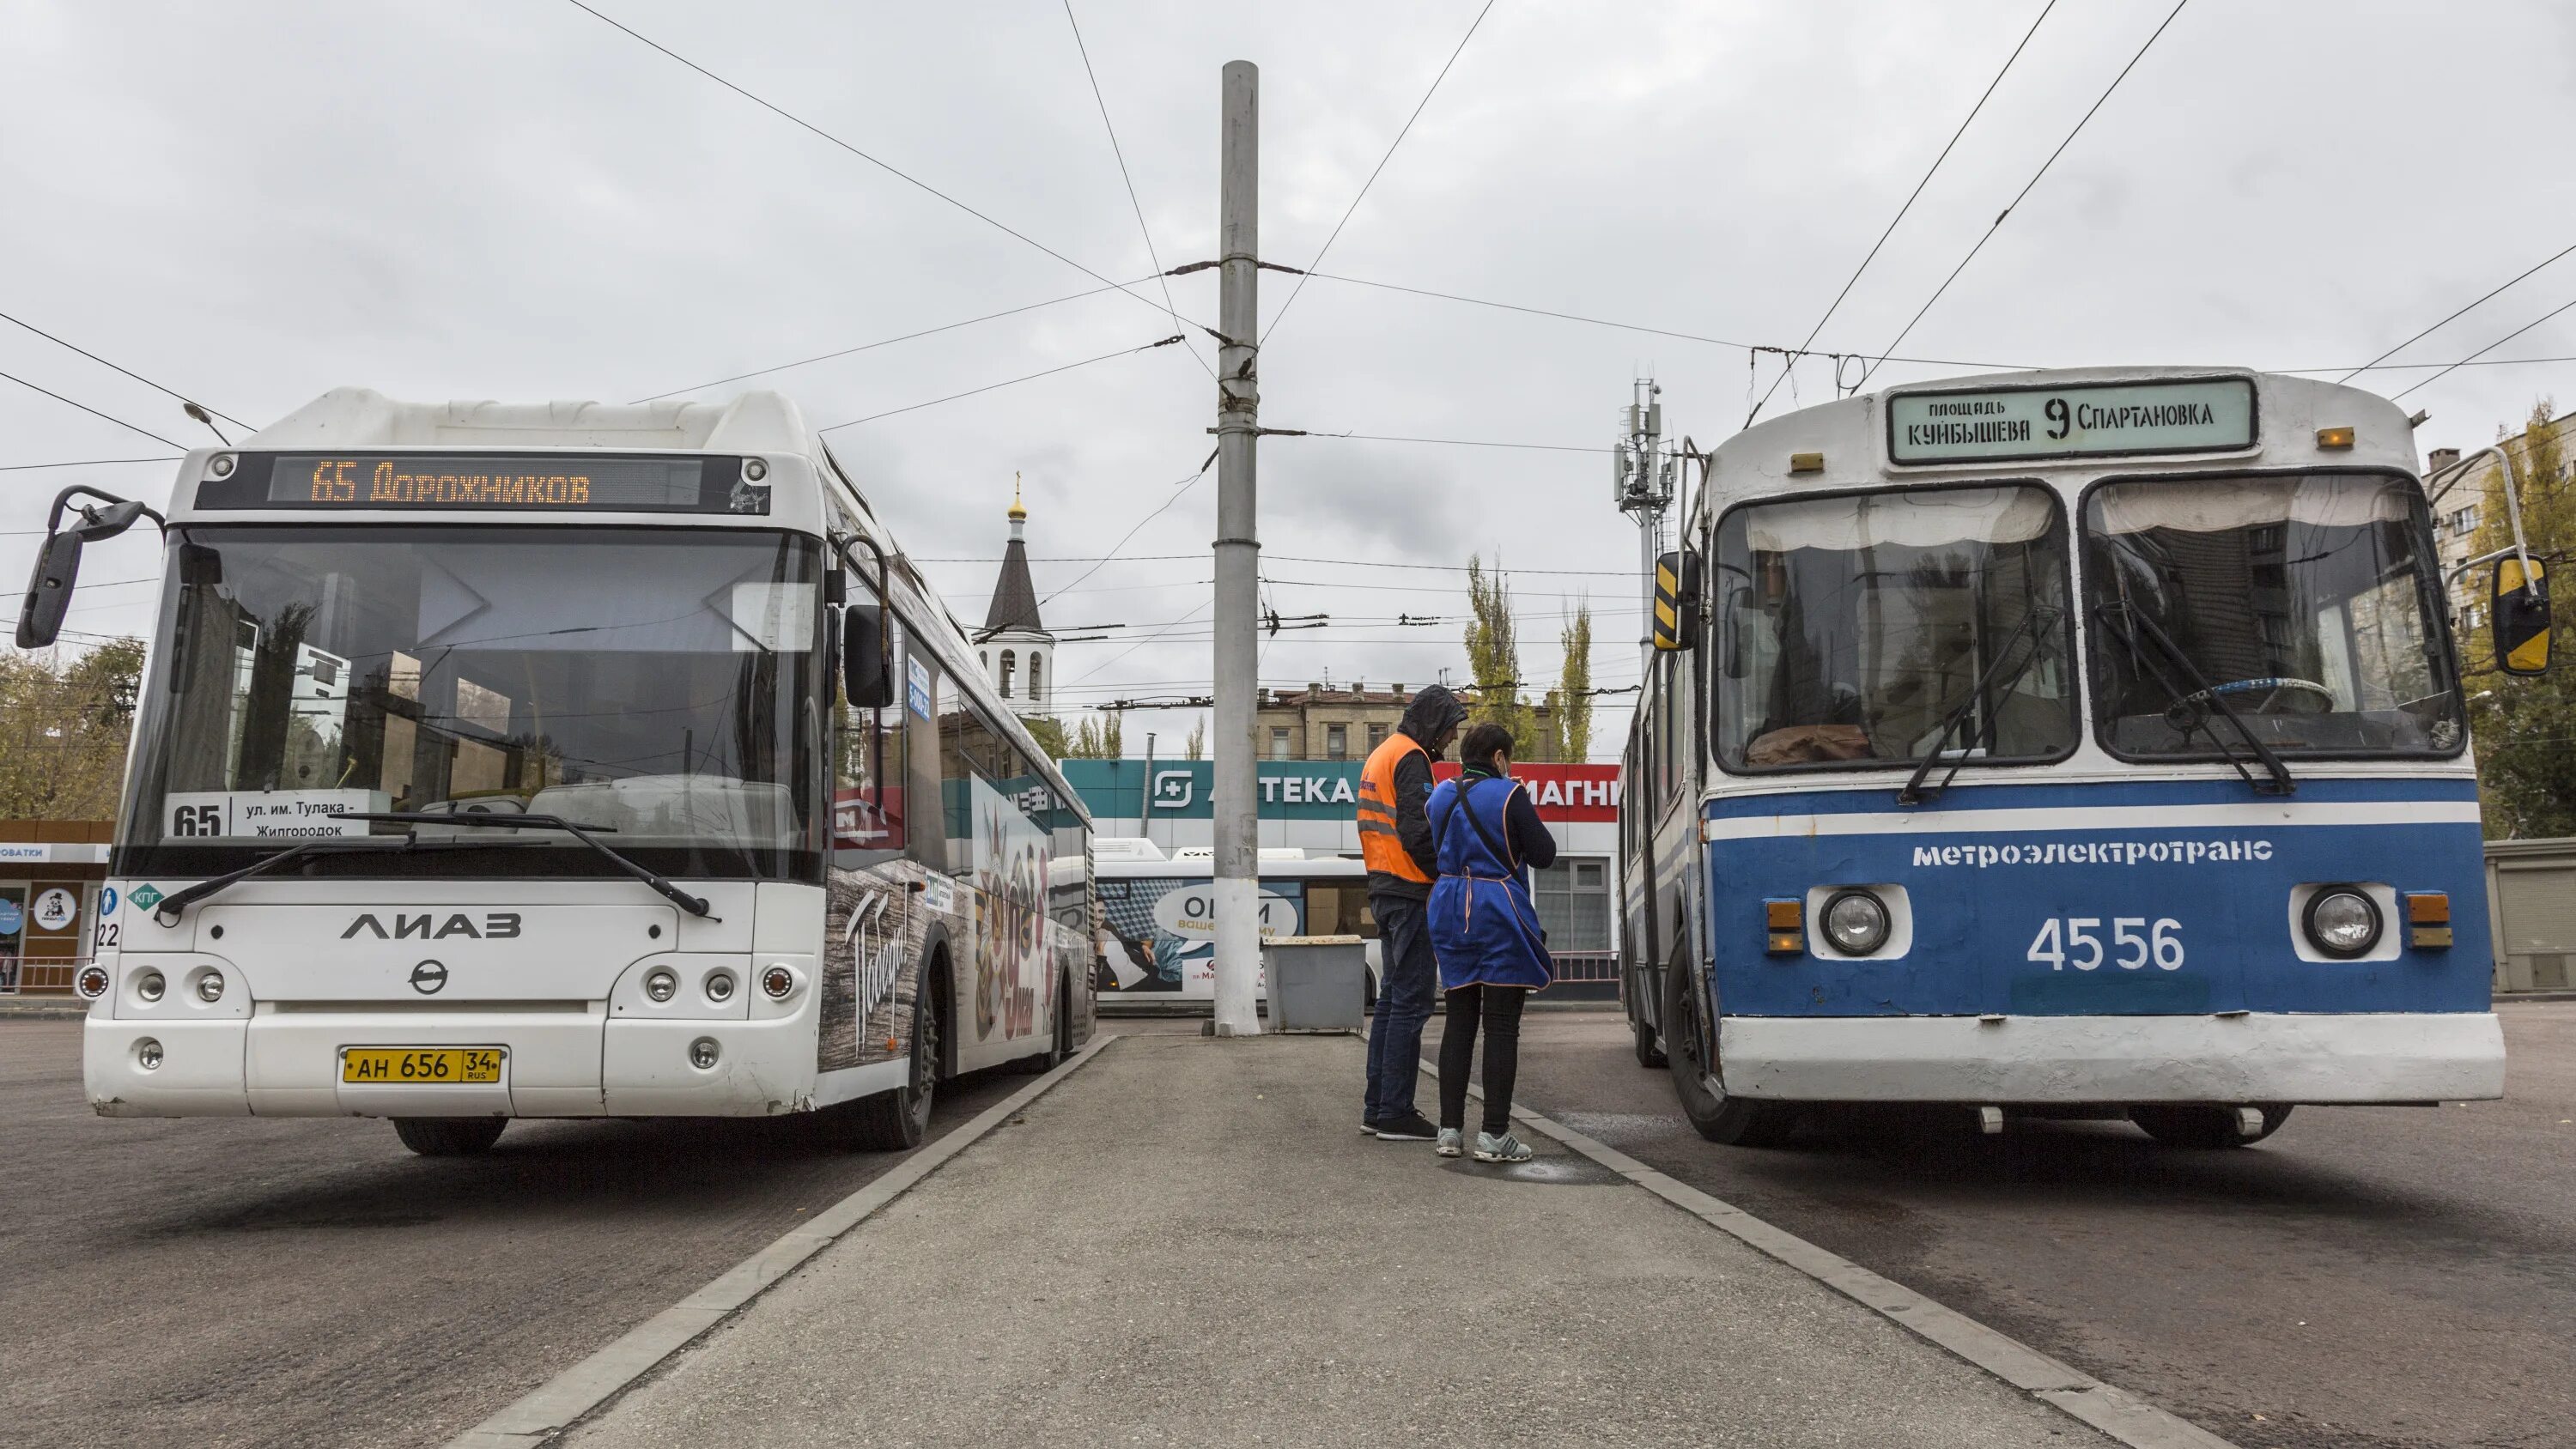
421	1066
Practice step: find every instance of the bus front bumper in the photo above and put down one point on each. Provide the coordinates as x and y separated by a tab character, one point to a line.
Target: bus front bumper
2081	1060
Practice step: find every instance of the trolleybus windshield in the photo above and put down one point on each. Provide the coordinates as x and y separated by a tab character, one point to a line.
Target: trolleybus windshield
658	684
1854	626
2305	604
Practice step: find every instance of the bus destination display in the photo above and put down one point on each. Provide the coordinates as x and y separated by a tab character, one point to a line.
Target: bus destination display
2199	415
435	481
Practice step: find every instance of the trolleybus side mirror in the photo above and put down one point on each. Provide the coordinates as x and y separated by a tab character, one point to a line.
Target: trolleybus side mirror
2519	615
1677	594
864	667
49	589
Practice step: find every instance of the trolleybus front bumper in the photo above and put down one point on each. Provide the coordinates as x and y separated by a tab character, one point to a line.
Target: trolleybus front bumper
2249	1057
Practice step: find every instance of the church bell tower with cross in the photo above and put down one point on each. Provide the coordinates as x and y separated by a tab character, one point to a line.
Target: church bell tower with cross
1017	652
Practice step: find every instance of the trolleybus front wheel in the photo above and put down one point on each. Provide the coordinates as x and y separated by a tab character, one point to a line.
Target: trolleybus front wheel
1690	1050
896	1120
449	1136
2204	1127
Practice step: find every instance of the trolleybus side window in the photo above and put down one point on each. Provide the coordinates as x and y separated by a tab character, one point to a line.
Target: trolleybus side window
2306	605
1869	628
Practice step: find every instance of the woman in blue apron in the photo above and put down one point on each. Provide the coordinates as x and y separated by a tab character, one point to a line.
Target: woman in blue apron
1485	933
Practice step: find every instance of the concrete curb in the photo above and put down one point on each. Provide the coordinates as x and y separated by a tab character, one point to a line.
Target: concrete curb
2116	1413
568	1397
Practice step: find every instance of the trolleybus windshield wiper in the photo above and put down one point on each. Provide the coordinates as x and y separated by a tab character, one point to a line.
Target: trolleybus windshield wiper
1913	793
694	905
2118	619
178	901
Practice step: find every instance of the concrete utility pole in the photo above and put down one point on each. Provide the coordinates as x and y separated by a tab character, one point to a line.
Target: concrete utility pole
1642	484
1238	554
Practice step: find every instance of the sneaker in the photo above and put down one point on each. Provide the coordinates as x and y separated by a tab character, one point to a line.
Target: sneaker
1368	1126
1506	1148
1411	1127
1453	1142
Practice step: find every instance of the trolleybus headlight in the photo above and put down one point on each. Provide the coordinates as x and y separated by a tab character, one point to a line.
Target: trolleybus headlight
210	987
702	1053
777	981
2342	921
754	469
149	986
1856	922
720	986
221	465
91	983
661	983
147	1054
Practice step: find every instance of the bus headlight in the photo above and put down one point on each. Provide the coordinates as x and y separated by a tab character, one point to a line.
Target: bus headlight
720	986
1856	922
702	1053
147	1054
210	987
661	983
2342	921
150	986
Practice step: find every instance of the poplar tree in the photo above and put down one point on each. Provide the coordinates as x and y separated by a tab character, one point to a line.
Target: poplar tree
1494	655
1570	703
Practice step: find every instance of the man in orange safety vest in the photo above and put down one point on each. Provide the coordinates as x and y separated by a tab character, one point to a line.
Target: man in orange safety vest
1395	843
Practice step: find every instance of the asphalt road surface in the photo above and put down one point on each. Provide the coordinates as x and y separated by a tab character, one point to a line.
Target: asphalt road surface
225	1281
2367	1278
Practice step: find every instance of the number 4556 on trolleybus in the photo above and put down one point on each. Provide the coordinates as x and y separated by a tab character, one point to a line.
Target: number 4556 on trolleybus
564	760
2088	742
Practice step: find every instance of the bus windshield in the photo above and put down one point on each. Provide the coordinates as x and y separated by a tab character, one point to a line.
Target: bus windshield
659	684
1853	628
2304	605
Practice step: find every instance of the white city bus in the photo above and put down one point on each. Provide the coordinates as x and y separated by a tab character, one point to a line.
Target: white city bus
2085	741
564	760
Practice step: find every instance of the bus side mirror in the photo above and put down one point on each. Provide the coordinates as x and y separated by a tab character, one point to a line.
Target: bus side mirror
864	670
1677	594
49	591
2519	616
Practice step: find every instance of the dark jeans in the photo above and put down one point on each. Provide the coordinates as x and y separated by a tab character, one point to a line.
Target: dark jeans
1499	1008
1407	979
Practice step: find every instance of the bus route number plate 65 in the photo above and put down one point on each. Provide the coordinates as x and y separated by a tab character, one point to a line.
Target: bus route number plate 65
421	1066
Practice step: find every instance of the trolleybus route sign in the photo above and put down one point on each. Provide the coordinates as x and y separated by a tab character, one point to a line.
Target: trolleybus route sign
2196	415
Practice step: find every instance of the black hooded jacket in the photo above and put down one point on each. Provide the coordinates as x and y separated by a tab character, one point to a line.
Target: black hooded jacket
1433	712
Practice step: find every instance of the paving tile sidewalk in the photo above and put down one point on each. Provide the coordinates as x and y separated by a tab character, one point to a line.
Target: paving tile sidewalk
1189	1242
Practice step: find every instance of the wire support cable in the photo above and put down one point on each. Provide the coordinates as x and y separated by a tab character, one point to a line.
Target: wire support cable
1353	208
887	167
85	463
1007	382
1910	199
1172	495
1161	276
2001	216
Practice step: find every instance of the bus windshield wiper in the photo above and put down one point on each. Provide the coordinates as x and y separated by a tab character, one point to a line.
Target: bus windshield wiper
694	905
178	901
1913	793
2119	618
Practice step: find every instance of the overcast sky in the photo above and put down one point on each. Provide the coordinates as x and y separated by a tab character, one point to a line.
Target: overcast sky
252	203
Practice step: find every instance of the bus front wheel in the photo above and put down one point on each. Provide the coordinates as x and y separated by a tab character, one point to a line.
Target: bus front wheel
449	1136
2204	1128
897	1120
1690	1050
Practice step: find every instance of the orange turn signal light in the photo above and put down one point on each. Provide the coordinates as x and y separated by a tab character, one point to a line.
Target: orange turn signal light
1786	921
1806	462
2334	437
2428	914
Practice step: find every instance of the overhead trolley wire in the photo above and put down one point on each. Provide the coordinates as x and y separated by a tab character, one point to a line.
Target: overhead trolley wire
1172	495
2436	327
1138	206
887	167
2044	166
2490	347
93	412
112	367
886	342
1407	130
1902	210
84	463
1007	382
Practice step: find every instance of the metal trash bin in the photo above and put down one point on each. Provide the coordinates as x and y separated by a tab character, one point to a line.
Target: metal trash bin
1317	983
